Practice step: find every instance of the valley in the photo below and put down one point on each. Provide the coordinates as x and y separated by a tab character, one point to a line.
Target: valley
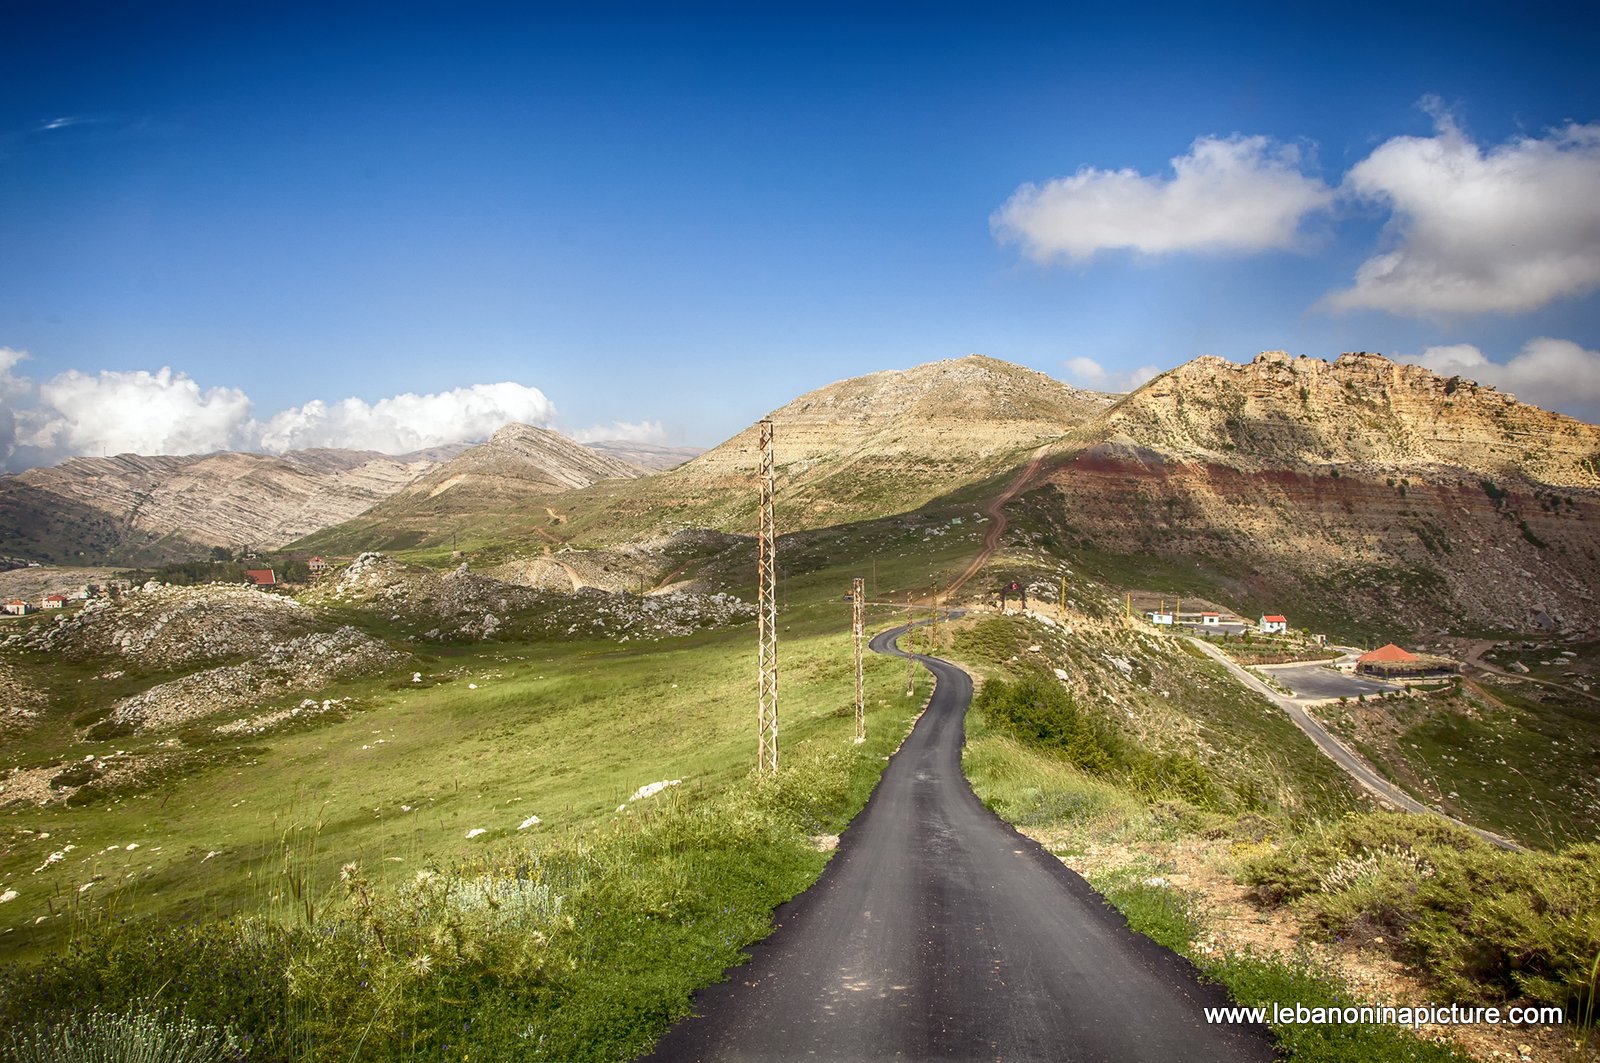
437	764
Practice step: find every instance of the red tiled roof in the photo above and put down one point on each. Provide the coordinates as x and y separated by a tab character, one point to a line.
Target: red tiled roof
1273	620
261	577
1390	654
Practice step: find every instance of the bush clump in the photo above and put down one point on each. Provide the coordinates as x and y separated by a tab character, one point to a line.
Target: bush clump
1043	714
1489	924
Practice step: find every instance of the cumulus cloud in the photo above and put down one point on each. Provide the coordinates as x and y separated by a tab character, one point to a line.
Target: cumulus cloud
168	412
407	422
1088	373
115	412
1557	374
1504	230
1234	193
624	432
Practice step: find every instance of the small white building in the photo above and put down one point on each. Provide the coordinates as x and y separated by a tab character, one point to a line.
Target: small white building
1160	616
1210	619
15	607
54	601
1273	623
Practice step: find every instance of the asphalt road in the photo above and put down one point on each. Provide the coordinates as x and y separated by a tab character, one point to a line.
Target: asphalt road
1336	751
1317	681
939	932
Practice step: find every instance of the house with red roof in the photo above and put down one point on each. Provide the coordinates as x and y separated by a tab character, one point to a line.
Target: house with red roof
16	607
1392	662
54	601
261	577
1272	623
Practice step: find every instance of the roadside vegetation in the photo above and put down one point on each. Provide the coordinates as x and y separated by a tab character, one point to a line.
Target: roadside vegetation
1281	891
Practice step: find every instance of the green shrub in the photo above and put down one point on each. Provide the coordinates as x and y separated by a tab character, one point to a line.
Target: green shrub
1489	924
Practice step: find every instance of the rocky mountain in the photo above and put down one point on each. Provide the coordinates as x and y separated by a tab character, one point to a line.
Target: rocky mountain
136	509
517	461
868	446
1359	487
485	487
871	445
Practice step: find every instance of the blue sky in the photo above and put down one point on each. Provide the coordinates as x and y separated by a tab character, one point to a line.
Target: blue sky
677	218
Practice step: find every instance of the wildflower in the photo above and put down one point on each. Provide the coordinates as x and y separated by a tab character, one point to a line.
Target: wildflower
421	964
349	871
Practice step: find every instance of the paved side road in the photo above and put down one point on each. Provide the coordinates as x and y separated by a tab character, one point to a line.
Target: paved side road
1335	750
939	932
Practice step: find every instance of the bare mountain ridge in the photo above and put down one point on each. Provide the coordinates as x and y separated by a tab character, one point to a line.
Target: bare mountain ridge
518	460
136	509
653	456
168	506
1362	409
882	443
1360	485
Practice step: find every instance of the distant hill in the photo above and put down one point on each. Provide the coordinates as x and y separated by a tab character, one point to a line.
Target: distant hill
652	456
485	486
132	509
867	446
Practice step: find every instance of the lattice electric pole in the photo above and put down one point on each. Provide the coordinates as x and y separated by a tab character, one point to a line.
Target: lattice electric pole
766	615
911	661
859	626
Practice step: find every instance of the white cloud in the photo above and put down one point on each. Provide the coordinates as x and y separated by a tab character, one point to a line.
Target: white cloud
407	422
1233	193
115	412
167	412
1556	374
1088	373
623	431
1507	230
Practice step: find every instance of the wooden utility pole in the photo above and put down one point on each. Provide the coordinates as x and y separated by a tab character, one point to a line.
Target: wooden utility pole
933	632
766	614
860	629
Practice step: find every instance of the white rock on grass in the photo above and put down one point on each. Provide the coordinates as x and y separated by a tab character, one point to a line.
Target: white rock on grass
531	821
8	896
475	831
651	789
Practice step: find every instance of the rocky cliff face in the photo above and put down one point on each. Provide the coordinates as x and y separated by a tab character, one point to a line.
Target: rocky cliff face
1361	487
1360	410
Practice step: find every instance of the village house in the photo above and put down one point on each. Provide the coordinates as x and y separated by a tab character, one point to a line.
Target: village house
317	566
1160	617
54	601
261	577
1272	624
1210	619
16	607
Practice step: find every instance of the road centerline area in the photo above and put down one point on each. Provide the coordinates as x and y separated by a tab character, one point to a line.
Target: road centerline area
939	932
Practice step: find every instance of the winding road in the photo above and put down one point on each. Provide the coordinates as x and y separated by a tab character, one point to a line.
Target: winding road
939	932
1335	750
